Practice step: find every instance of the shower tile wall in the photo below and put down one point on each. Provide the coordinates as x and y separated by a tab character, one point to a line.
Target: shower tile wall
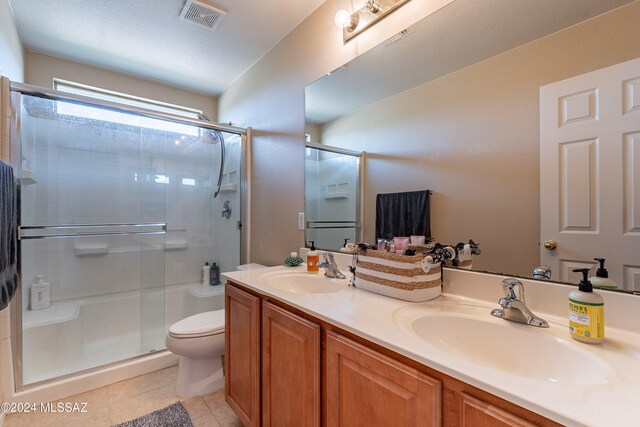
93	177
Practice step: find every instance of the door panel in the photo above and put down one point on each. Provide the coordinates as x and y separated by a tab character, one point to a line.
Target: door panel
589	173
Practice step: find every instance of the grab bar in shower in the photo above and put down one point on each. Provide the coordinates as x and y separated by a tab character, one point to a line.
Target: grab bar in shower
324	224
89	230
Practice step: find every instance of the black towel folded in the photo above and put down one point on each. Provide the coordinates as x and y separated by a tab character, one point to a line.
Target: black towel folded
8	233
403	214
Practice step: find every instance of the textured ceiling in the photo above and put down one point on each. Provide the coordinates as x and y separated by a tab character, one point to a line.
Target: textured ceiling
458	35
146	38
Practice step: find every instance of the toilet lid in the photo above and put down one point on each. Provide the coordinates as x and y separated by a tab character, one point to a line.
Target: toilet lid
207	323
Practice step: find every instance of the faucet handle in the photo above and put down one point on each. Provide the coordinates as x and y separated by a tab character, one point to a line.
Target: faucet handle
327	256
509	284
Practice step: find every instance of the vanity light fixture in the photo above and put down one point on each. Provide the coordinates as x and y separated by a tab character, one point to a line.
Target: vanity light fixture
365	17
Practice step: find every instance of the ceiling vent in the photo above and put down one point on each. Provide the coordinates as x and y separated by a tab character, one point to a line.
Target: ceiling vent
202	13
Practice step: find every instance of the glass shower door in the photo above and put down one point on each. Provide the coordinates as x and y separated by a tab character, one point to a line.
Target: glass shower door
93	221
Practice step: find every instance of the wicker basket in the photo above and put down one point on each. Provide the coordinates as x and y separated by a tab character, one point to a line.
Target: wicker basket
398	276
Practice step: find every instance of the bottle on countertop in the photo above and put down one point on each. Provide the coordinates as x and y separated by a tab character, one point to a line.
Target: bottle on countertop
312	259
586	312
601	279
40	294
214	274
206	274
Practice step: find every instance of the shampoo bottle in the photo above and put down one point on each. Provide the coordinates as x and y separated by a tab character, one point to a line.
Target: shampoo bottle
586	312
215	274
206	274
601	279
40	294
312	259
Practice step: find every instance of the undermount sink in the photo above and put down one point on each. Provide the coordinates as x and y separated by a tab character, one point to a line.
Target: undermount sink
303	282
514	348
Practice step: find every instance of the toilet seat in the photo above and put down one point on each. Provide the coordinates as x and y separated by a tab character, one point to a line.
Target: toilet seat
199	325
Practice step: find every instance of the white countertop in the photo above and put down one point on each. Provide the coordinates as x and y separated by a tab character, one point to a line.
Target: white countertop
387	321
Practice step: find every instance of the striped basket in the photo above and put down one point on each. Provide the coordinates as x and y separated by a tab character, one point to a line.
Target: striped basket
397	276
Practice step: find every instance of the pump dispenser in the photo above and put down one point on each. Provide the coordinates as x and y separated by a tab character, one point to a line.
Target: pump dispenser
601	279
312	259
586	312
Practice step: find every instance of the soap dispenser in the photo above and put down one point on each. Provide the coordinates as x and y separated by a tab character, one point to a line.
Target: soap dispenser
586	312
312	259
601	279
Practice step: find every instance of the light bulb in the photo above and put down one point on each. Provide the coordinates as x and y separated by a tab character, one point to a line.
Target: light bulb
343	18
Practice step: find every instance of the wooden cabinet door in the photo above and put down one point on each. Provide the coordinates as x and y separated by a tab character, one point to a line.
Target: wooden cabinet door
242	359
290	369
478	413
366	388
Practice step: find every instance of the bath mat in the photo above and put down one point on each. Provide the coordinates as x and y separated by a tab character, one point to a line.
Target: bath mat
172	416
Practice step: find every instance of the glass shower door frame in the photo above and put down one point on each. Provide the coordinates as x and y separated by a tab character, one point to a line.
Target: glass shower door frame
17	89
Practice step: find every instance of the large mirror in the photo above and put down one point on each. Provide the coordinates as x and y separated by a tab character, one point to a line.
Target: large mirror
440	107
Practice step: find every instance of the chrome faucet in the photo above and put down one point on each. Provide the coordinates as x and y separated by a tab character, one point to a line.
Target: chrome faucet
330	266
514	307
542	273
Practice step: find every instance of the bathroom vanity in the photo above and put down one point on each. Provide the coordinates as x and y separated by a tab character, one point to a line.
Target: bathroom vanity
286	367
307	350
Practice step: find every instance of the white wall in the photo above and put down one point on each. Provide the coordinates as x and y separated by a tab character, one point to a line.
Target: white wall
11	52
270	98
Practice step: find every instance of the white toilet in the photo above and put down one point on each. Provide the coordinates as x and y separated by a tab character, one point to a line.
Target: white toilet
199	341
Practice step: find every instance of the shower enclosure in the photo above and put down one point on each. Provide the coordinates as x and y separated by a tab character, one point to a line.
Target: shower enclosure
118	217
332	196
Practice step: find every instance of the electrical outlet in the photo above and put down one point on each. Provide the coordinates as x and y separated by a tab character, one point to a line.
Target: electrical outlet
300	220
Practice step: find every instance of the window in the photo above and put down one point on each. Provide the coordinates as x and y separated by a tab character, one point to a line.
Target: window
121	117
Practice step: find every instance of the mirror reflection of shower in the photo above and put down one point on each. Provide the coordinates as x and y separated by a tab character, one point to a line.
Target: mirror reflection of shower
332	179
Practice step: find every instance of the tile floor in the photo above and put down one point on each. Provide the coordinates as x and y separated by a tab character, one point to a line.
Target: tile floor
130	399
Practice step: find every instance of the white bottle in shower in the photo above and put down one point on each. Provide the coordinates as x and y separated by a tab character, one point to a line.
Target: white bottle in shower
206	274
40	294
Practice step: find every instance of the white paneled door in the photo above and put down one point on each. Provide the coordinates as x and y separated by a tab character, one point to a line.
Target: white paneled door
590	173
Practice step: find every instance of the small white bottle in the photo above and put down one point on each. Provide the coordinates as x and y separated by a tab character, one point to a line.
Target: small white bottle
206	274
40	294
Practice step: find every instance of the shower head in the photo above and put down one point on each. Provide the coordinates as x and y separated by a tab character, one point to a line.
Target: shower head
214	135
